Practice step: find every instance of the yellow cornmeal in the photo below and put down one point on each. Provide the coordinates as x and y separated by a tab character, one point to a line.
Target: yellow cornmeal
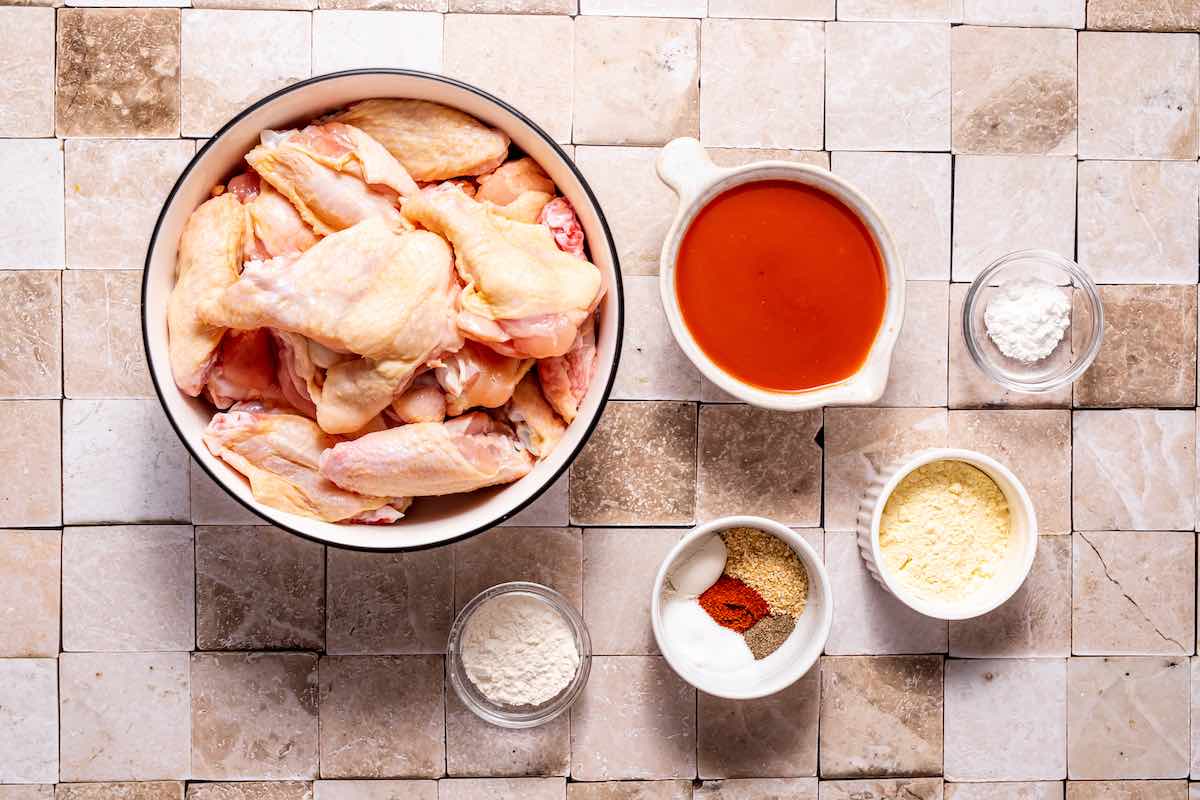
944	530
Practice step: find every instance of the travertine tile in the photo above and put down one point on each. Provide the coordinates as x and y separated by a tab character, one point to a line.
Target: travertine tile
254	716
868	619
1006	720
118	72
488	788
881	716
98	180
1014	90
990	222
643	8
27	61
375	790
619	567
774	735
737	156
124	716
515	6
765	462
286	790
259	5
475	748
122	462
1128	718
550	556
535	76
631	790
140	790
1130	790
901	10
1134	593
382	717
1149	352
550	508
1035	445
1029	790
1194	671
639	467
27	791
773	9
128	588
30	333
31	493
757	789
1137	221
636	719
775	97
28	720
33	170
212	505
214	86
351	39
30	571
1027	13
860	443
883	789
1149	15
1137	95
389	602
392	5
652	365
888	86
912	191
1133	470
638	205
102	335
918	375
1035	622
656	64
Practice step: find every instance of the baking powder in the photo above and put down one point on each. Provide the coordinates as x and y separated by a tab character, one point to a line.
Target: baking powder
1027	319
518	650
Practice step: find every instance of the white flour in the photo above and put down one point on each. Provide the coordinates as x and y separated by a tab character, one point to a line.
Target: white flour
518	650
1027	319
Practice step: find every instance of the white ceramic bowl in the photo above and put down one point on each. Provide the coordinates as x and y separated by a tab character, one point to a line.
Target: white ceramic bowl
798	652
1017	562
685	167
431	521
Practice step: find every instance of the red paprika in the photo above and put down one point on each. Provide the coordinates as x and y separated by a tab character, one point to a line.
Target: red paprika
733	604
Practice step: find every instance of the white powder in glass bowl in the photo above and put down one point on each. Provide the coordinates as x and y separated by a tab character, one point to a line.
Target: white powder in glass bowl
1026	319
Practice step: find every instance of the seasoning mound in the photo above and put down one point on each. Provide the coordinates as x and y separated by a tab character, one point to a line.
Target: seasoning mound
769	566
733	604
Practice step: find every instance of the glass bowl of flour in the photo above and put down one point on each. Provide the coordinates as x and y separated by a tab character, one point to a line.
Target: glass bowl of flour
1033	321
518	655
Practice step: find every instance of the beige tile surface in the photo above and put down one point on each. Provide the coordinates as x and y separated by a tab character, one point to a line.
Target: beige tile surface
1129	790
486	788
644	8
619	567
127	790
737	156
550	556
212	505
1150	15
1033	13
103	354
28	791
1023	790
375	790
258	5
918	375
27	58
352	39
638	206
252	790
551	508
652	367
883	789
34	170
30	569
757	789
631	790
772	9
516	6
31	334
29	720
904	10
475	748
386	5
31	493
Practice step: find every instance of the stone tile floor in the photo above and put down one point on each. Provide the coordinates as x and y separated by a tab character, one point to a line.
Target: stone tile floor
153	642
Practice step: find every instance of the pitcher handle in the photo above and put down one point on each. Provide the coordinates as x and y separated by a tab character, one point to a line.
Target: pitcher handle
684	166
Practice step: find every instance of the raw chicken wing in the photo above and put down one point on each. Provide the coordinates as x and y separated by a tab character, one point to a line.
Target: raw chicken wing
559	216
278	228
245	369
536	425
565	379
520	187
422	401
479	377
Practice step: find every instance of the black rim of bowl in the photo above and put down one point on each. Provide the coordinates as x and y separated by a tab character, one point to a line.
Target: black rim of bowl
617	293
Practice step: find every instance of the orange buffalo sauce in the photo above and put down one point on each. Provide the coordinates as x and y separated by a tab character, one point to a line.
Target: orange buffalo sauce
781	285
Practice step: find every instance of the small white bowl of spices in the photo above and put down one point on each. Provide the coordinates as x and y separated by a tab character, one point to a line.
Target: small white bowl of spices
518	655
951	533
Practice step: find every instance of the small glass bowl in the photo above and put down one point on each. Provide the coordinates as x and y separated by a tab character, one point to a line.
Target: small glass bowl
1079	345
518	716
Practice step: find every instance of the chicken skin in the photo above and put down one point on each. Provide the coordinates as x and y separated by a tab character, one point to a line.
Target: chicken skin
479	377
429	458
537	426
519	189
277	226
565	379
422	401
245	369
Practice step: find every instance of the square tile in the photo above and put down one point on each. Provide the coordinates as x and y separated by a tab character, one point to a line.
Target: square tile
140	790
28	720
387	5
912	190
768	460
550	556
881	716
1149	352
124	716
122	463
774	735
1137	220
738	156
656	64
97	178
215	87
475	748
516	6
638	468
254	716
772	9
1137	95
488	788
883	789
27	59
780	66
118	72
31	333
1143	16
259	5
27	791
352	39
382	717
1026	13
31	494
652	365
1006	720
1026	790
389	602
1035	444
34	170
631	790
1128	718
887	86
375	790
901	10
918	374
286	790
550	508
988	224
644	8
1035	622
619	567
102	335
129	588
212	505
1014	90
636	719
31	571
534	76
1134	470
1134	593
860	443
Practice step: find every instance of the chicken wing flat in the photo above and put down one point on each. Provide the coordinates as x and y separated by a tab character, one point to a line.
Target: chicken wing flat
537	426
432	141
479	377
278	228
